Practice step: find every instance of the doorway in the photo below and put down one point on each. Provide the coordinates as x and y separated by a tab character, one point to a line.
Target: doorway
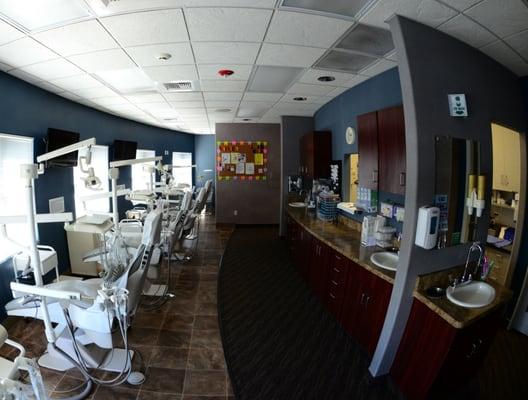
354	177
507	214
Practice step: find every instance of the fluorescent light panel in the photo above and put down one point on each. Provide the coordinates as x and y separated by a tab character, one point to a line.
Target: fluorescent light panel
342	61
273	79
34	15
367	39
129	80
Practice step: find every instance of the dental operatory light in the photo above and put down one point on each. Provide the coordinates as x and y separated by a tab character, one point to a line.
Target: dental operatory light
90	180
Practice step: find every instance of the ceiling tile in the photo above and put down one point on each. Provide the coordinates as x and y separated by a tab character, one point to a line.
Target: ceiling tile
461	5
289	98
188	104
145	56
305	29
103	60
212	24
24	52
83	37
225	52
9	33
519	42
463	28
172	73
503	17
221	104
356	80
257	104
507	57
340	7
286	55
145	98
337	91
428	12
69	96
5	67
392	56
344	61
151	107
305	89
53	69
367	39
105	8
77	82
18	73
151	27
48	86
111	101
379	67
94	93
210	71
223	86
273	79
311	76
255	96
186	96
220	96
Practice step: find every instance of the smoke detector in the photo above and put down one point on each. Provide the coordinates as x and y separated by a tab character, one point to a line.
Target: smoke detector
326	78
163	56
179	86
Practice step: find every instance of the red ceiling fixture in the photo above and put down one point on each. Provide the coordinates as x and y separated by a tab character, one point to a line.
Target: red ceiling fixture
225	72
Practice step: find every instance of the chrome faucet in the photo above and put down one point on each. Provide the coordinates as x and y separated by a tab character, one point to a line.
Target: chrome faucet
467	277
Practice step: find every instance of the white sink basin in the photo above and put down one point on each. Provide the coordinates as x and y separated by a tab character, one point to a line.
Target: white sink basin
473	295
386	260
298	204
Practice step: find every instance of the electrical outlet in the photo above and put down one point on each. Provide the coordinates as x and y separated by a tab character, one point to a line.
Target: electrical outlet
166	152
235	212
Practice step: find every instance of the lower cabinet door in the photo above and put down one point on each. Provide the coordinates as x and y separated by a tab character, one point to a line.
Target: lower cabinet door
376	303
352	303
319	270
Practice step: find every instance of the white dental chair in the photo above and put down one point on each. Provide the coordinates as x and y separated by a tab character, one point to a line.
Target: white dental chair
83	323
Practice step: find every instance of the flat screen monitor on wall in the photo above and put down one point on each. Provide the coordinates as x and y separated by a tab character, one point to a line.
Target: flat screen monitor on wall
124	150
57	139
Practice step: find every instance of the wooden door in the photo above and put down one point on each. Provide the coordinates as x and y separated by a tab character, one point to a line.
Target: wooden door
368	150
391	148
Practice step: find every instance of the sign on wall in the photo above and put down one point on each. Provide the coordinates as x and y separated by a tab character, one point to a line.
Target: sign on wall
241	160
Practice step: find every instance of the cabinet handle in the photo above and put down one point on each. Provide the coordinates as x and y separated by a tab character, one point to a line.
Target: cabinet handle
475	347
375	176
332	296
367	301
335	283
337	270
362	297
402	178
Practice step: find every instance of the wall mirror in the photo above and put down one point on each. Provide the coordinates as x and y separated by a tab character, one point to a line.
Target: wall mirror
456	160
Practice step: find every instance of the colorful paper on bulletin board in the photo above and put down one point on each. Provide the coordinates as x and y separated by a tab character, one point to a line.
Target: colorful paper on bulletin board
242	160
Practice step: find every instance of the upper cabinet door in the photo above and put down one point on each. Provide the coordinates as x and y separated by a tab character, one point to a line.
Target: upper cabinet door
391	145
368	150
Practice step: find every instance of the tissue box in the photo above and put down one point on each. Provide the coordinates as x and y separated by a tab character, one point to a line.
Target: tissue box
386	209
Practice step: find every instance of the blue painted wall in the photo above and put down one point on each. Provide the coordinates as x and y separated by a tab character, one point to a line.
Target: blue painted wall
29	111
379	92
204	148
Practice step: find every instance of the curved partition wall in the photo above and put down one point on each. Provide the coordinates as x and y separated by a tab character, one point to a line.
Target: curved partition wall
432	65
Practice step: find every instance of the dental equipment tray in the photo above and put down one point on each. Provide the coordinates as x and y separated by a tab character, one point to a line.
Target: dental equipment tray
48	260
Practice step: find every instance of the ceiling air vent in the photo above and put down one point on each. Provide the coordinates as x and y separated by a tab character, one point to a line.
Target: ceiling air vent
179	86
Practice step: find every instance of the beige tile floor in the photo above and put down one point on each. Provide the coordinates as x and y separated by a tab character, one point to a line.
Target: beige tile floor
179	343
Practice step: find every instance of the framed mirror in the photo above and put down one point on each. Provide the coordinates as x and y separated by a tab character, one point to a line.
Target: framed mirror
456	159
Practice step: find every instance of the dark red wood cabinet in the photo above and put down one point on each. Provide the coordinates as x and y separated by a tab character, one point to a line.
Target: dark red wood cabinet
391	148
365	306
319	269
316	154
338	266
381	148
367	125
436	357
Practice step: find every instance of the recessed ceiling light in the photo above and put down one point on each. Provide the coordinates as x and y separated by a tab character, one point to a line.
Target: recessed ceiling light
300	98
326	78
340	7
163	56
34	15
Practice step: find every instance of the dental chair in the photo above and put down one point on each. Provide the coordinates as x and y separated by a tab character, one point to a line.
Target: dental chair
84	326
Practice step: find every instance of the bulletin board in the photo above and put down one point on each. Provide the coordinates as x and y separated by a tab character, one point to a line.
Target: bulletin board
240	160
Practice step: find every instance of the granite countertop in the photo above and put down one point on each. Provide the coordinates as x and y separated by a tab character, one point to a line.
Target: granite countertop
342	239
457	316
347	241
